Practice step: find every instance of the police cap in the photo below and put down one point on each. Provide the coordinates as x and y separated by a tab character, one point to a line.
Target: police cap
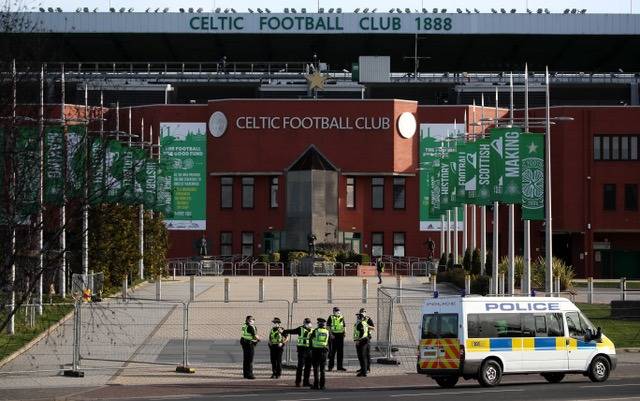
363	311
306	320
336	309
248	318
322	320
276	320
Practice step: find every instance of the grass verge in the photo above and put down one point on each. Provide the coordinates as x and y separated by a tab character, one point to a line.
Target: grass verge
624	333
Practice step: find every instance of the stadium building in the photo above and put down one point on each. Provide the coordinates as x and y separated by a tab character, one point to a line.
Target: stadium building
312	121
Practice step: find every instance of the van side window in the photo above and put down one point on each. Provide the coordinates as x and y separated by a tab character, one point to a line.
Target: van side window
573	324
448	326
529	325
555	327
541	326
473	329
440	326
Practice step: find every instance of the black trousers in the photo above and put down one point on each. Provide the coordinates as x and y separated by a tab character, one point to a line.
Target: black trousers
336	346
275	352
379	277
248	350
304	363
319	360
362	348
369	354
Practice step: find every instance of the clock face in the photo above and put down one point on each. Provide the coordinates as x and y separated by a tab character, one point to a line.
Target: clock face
407	125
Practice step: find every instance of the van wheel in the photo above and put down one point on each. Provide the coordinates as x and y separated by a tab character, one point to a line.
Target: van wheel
553	377
490	373
446	381
599	369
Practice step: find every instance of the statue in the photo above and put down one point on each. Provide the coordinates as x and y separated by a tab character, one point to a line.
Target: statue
202	246
311	239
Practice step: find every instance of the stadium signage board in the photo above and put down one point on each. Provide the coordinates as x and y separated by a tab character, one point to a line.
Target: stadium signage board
312	123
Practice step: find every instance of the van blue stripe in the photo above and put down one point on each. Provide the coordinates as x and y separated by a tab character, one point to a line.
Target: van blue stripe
582	344
545	344
500	344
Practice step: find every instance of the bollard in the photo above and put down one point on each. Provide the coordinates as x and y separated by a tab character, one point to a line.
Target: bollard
174	274
158	288
590	290
399	289
295	290
467	284
124	289
434	283
226	289
329	291
557	281
365	290
623	288
260	290
192	288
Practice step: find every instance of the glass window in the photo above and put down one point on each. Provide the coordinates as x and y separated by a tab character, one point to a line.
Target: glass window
606	155
493	325
247	192
573	324
473	327
555	327
631	197
634	148
609	196
226	243
273	193
398	244
540	326
624	148
399	193
377	244
226	192
247	244
351	192
377	193
529	325
596	148
440	326
615	148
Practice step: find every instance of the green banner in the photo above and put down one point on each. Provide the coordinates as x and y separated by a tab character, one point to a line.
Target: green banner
114	172
435	209
471	167
512	189
532	151
96	172
497	163
150	184
128	172
164	193
483	191
53	165
139	174
452	160
428	155
444	185
185	144
27	171
461	156
75	161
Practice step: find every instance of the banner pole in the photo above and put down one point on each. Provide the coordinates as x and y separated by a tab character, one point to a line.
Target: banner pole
526	270
512	212
140	213
449	248
63	208
474	223
85	200
442	237
496	212
40	217
548	232
455	236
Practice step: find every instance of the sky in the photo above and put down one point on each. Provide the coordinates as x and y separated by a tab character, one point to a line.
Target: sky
592	6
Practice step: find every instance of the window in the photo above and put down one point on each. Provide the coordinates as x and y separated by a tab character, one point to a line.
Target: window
574	325
226	192
377	193
226	248
247	192
273	193
351	192
398	244
555	326
609	197
492	325
247	244
440	326
398	193
377	244
615	147
631	197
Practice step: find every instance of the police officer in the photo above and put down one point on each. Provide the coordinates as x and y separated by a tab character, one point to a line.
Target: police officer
277	340
248	341
336	343
319	340
379	269
361	339
304	353
371	328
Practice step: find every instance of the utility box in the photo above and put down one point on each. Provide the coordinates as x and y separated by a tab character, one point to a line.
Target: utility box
374	69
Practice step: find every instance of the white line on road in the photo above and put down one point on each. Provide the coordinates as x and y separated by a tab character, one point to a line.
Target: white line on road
308	399
609	399
610	385
456	392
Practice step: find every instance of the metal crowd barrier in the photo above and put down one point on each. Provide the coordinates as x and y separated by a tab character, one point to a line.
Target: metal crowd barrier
324	269
259	269
242	269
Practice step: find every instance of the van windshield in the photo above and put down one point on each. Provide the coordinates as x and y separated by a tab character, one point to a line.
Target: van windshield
439	326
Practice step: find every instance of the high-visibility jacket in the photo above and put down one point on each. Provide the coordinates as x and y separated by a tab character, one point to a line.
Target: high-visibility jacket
336	324
360	334
275	336
245	333
303	337
320	338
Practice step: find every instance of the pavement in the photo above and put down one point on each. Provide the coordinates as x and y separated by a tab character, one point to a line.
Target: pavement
130	349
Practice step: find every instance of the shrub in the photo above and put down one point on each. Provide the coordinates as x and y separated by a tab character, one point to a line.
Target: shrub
466	260
453	276
263	258
476	264
488	264
560	269
443	259
297	255
480	285
365	259
274	257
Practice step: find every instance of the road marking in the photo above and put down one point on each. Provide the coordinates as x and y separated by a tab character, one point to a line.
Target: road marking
308	399
610	385
240	395
456	392
610	399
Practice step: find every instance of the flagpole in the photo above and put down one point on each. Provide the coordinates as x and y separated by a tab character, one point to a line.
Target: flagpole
465	213
443	245
455	235
40	217
496	237
85	200
472	206
449	248
526	270
12	197
140	213
483	216
512	212
548	234
63	208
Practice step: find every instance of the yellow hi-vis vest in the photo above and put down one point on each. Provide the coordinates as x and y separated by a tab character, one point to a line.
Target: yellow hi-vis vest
337	324
357	335
275	336
245	333
303	336
321	338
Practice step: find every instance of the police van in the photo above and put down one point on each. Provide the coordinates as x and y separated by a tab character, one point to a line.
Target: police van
485	338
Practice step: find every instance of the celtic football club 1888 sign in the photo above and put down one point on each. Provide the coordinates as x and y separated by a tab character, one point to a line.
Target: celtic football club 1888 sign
532	155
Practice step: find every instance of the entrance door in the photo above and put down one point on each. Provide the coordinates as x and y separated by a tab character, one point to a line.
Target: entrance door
271	242
579	351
